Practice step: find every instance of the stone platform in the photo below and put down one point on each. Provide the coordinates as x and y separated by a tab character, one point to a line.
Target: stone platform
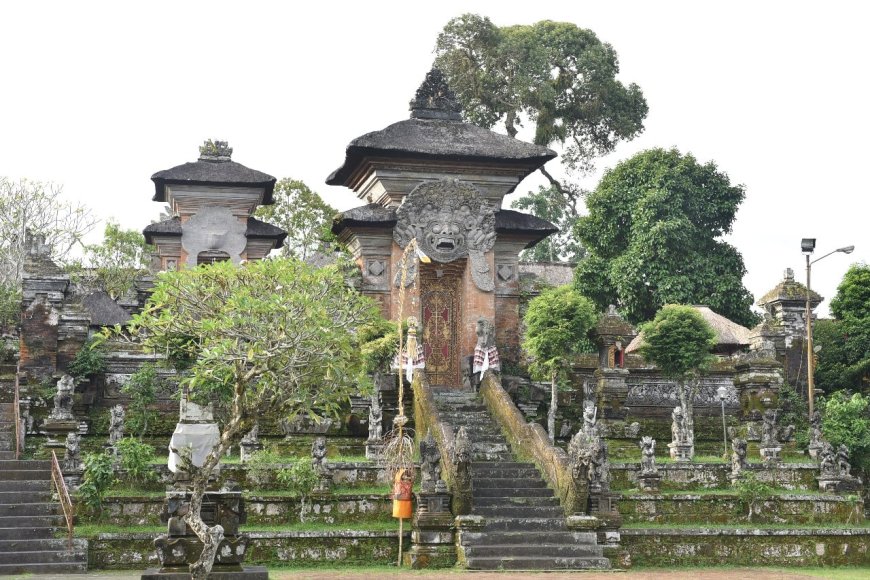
246	573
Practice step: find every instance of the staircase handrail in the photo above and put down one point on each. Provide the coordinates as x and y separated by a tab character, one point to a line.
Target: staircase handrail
16	404
63	496
427	418
530	441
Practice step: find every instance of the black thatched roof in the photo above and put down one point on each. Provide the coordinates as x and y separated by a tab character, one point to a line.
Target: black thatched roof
213	173
506	221
256	229
439	139
103	310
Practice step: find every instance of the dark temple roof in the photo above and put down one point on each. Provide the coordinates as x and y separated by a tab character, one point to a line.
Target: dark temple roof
436	131
104	311
256	229
214	167
506	221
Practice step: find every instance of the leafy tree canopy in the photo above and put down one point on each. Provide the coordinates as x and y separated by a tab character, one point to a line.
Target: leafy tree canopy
652	234
559	77
115	263
302	214
678	341
846	421
561	246
556	325
844	358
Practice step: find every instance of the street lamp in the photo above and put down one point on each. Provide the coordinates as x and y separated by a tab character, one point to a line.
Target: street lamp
722	391
808	245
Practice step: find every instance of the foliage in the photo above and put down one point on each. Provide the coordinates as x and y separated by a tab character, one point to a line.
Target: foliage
795	411
380	343
118	261
653	237
98	477
561	246
299	479
272	338
10	307
559	77
678	341
142	389
260	463
750	491
846	421
302	213
136	460
89	361
844	357
38	207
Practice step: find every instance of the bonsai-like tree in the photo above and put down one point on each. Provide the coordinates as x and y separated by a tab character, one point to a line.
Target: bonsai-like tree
556	325
273	337
678	341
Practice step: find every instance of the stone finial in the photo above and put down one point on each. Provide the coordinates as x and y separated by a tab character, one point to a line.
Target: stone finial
788	275
435	100
215	151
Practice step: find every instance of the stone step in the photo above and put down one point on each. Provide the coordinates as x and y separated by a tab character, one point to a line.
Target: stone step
503	465
43	521
41	544
5	455
519	511
538	563
512	524
24	464
503	482
510	492
29	509
483	454
79	554
528	501
25	475
25	485
23	533
528	537
484	473
25	497
566	550
45	568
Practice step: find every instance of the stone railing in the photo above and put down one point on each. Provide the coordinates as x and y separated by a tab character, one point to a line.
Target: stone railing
427	418
530	441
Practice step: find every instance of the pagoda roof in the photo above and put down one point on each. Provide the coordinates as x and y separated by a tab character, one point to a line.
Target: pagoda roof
256	229
103	311
728	333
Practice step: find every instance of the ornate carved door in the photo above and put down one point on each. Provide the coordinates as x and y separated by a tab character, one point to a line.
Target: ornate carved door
440	292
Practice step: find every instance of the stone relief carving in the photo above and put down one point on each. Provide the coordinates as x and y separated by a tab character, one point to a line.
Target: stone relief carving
738	458
214	229
376	419
116	424
665	394
450	220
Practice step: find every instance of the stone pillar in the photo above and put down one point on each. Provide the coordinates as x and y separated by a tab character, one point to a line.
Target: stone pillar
611	392
757	382
432	538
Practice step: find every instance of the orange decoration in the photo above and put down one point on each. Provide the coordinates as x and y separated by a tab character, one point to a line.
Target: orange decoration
402	485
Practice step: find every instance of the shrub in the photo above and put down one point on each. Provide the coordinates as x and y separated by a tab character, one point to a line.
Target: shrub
142	390
299	479
89	360
750	491
99	476
136	459
846	421
795	412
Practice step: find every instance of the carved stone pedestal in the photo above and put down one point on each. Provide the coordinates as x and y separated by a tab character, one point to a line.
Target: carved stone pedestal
838	484
770	456
815	450
649	482
612	391
432	538
57	430
180	547
374	450
602	505
247	449
682	453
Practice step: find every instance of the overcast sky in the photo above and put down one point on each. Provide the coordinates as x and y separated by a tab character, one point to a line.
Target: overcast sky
99	96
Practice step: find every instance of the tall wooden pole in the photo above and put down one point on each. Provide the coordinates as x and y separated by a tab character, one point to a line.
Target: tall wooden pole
810	372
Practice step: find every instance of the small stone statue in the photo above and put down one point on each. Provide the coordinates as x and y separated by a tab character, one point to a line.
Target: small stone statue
600	473
63	400
580	450
843	465
678	427
565	430
769	429
485	351
648	456
318	456
828	464
116	425
816	430
738	458
72	461
376	418
252	437
250	443
430	459
590	414
462	450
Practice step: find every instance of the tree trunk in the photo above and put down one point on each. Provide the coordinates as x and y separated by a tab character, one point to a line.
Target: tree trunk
510	124
210	537
687	404
551	416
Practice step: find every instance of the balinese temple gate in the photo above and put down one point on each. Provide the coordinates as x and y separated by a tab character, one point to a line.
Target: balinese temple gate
442	181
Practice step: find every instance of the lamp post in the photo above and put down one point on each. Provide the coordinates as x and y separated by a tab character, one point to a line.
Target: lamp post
808	245
722	391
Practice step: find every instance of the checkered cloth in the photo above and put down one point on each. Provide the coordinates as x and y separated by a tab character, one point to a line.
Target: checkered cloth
486	358
419	361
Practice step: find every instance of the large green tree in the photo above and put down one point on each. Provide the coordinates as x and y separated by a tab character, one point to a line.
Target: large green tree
268	338
302	213
844	357
653	237
561	246
556	322
116	262
678	341
554	75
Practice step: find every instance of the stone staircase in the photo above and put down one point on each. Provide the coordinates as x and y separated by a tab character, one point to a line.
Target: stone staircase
29	519
525	526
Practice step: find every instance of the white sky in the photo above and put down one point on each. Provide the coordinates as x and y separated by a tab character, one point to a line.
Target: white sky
100	95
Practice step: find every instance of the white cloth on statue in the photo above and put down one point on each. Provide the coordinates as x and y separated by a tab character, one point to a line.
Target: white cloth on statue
200	438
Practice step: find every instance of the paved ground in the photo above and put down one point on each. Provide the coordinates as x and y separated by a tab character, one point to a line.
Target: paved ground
374	574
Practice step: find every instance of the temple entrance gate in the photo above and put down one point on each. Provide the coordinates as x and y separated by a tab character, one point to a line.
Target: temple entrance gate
440	291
